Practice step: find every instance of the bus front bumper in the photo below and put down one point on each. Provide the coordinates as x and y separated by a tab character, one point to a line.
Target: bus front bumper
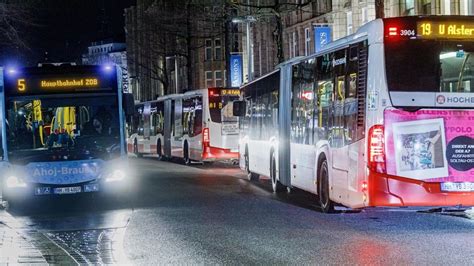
33	190
389	190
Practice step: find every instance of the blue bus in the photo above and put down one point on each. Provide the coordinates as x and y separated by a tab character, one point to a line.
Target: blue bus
62	130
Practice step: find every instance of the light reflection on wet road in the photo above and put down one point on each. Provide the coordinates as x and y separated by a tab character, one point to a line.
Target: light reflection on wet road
210	214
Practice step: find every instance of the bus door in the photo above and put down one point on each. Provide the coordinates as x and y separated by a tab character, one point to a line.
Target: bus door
303	159
345	131
336	137
168	124
177	129
145	141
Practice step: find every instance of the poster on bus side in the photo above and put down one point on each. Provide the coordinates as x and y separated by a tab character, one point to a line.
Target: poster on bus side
430	145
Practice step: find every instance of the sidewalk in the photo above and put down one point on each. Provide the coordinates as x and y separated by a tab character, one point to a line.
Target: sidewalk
15	247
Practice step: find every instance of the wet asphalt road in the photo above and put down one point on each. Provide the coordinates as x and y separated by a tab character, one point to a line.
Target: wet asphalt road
211	214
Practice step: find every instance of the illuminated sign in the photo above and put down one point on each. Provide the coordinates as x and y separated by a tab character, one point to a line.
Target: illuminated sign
433	27
69	83
441	29
77	79
230	92
22	85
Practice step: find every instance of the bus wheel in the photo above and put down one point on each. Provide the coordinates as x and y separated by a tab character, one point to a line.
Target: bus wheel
158	150
250	176
187	160
327	206
276	185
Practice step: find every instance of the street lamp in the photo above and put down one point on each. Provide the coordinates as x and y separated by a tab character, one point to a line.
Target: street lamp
176	75
247	20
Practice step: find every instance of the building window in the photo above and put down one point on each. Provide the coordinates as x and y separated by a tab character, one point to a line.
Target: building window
349	22
468	7
365	15
218	49
209	79
446	7
407	7
425	8
295	44
307	41
208	50
218	78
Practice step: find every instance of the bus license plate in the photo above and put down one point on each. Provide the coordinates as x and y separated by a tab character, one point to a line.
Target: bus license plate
67	190
457	187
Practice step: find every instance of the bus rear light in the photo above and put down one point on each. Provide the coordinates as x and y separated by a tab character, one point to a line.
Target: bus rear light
205	136
376	149
364	186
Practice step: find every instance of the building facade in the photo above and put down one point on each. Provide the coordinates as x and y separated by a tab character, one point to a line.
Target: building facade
173	47
108	52
341	17
144	83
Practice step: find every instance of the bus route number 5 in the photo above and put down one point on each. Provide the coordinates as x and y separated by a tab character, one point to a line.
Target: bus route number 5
21	85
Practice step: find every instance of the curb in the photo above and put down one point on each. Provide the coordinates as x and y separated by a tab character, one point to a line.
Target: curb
19	244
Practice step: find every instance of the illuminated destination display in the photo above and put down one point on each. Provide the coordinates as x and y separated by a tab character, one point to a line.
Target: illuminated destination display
69	83
231	92
442	29
60	80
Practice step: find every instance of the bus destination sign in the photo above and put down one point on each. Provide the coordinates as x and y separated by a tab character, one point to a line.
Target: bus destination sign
445	30
429	28
70	83
34	83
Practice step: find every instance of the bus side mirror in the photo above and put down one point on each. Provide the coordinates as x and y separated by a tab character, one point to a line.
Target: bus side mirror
238	108
128	104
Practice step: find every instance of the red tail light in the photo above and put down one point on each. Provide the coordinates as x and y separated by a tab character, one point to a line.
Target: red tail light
376	149
206	138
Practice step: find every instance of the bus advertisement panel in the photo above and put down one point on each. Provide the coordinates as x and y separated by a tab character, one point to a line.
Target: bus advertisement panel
64	130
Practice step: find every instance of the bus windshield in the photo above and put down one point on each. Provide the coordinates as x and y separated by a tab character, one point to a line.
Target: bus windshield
430	66
46	129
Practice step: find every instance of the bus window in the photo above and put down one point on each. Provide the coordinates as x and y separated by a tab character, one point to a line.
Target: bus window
218	100
197	124
337	133
303	102
157	118
325	87
350	101
444	66
192	116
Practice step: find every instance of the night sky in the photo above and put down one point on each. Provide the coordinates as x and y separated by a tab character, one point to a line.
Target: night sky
64	29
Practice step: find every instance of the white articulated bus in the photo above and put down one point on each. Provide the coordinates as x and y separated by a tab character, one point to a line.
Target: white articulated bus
383	117
195	126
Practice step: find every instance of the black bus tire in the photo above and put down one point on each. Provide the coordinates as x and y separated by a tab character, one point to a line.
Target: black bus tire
327	205
276	185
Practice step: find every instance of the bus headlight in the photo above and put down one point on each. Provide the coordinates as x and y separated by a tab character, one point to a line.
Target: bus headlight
13	181
116	175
